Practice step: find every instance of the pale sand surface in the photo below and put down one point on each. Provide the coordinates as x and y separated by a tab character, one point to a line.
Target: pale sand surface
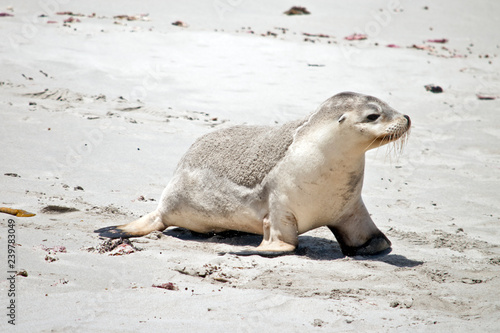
112	107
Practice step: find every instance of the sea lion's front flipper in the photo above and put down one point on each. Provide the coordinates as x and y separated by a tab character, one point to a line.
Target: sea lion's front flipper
280	234
358	235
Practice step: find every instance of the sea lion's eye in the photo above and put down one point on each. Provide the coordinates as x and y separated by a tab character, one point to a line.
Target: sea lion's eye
373	117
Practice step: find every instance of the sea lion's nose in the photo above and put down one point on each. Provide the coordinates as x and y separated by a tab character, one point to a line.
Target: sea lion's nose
408	119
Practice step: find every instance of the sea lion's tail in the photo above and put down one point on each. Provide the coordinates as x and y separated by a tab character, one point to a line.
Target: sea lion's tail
140	227
16	212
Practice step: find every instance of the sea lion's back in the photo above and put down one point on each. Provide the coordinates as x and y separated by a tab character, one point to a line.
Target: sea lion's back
242	154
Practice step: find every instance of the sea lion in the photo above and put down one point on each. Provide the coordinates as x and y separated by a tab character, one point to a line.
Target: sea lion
281	181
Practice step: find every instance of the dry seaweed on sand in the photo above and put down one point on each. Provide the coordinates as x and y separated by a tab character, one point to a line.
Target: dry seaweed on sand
167	285
118	246
295	10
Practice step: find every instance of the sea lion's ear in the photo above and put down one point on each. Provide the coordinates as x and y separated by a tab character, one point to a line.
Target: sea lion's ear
342	118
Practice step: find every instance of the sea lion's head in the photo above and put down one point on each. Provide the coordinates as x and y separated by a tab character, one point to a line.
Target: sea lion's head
361	121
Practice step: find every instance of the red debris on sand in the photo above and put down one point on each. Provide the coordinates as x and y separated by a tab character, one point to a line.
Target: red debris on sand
442	51
51	22
356	37
393	46
57	248
441	41
122	249
422	47
113	247
486	97
168	286
5	14
51	255
72	20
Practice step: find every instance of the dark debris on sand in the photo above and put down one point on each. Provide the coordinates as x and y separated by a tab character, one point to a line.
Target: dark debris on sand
434	89
167	285
53	209
110	245
297	11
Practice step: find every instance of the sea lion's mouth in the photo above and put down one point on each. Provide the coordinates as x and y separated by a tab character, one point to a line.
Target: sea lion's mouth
395	132
396	139
386	138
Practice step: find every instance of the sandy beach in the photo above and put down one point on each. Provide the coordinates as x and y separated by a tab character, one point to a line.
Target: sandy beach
100	100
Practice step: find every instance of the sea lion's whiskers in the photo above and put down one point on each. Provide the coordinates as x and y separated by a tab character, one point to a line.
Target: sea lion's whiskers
397	146
390	149
373	141
398	141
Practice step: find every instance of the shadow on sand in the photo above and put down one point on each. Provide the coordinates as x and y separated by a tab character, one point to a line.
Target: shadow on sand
315	248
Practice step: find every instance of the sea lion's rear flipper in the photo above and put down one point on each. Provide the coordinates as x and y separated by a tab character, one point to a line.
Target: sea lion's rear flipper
140	227
113	232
